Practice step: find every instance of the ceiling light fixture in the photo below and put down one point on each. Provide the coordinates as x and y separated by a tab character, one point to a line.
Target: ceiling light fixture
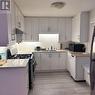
58	5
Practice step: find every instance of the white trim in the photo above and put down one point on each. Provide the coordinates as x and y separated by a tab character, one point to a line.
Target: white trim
92	20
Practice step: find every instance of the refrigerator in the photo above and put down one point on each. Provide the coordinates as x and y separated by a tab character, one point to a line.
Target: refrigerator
92	64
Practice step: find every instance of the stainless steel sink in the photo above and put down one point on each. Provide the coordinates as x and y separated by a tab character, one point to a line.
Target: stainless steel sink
51	50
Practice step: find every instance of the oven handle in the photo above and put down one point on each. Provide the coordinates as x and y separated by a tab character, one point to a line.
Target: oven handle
32	56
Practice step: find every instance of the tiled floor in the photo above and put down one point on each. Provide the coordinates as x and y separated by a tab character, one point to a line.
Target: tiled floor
58	84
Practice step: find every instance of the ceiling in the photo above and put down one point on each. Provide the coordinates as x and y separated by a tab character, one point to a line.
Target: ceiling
43	7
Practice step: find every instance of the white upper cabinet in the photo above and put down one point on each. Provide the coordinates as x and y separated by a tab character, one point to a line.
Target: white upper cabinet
19	18
68	29
62	29
34	29
80	27
43	25
52	25
65	29
31	29
28	29
48	25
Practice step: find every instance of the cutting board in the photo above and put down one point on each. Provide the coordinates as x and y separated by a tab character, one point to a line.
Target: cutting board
2	62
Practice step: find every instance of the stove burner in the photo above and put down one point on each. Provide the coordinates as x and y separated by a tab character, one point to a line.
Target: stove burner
24	56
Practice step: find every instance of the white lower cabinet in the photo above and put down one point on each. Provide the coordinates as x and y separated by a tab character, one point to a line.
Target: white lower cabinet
14	81
87	76
51	61
37	58
45	61
75	66
62	61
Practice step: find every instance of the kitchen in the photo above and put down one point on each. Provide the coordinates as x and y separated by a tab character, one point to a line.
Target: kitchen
45	47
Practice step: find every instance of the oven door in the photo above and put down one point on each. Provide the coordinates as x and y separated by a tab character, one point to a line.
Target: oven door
32	66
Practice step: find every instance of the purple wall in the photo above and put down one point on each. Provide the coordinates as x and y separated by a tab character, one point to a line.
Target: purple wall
3	30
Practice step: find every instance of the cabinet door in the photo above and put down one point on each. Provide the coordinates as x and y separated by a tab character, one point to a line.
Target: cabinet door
79	66
4	28
80	27
43	25
73	66
57	61
76	28
31	29
26	77
62	61
34	29
45	62
28	29
68	62
68	29
22	21
17	13
84	26
53	57
52	25
38	60
42	60
62	29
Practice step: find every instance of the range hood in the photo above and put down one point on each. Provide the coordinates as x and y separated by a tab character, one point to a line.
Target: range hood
18	31
19	35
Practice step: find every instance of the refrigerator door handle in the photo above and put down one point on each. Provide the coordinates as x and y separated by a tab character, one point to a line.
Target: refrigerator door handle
92	65
91	52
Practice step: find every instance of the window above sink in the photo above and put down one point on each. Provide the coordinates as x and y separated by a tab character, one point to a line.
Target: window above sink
49	40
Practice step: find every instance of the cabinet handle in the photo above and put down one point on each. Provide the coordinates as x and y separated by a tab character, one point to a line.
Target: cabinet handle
59	54
48	29
72	56
31	37
50	55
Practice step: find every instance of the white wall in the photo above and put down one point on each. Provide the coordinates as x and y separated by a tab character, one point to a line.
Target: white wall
27	47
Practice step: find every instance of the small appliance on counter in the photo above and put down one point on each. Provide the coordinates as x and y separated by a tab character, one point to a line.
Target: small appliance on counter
77	47
38	48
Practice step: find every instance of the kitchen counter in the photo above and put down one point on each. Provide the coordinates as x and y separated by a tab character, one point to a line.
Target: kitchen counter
13	63
51	51
80	54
